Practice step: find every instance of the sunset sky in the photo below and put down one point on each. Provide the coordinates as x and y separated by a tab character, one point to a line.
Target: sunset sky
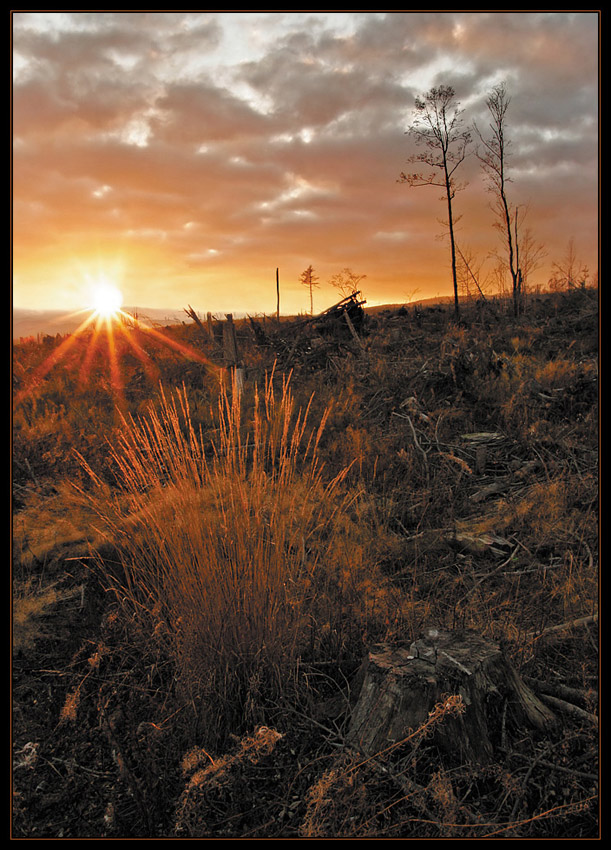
185	156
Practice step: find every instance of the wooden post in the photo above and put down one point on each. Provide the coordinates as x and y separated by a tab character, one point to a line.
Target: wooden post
352	329
277	297
231	354
209	325
230	344
238	378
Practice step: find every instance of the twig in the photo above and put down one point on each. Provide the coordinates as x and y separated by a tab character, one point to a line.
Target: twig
72	764
27	463
565	807
416	441
412	791
493	572
591	777
468	267
533	764
353	330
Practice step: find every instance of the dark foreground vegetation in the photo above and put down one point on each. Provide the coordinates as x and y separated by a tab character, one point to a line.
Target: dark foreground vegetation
199	572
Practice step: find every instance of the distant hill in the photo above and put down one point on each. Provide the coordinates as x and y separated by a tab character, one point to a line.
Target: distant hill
423	302
33	322
28	323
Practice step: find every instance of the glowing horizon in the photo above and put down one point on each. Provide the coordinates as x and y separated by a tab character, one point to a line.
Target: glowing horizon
105	327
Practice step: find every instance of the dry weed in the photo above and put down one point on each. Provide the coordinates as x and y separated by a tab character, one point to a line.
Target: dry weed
210	781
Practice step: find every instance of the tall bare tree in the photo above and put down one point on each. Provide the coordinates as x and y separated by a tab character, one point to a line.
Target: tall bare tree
493	154
438	129
309	279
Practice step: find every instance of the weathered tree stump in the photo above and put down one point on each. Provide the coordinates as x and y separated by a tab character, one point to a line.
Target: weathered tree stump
402	684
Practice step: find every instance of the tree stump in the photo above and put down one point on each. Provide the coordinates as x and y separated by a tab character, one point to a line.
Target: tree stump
401	684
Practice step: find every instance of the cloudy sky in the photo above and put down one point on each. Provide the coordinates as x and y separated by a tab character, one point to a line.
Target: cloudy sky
187	155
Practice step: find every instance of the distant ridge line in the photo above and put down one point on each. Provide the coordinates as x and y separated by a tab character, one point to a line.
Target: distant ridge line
27	322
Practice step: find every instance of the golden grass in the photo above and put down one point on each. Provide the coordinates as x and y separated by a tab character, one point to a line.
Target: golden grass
234	550
29	607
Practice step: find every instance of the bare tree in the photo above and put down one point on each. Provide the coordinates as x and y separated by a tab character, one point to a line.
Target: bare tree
569	272
469	275
493	155
309	279
529	252
438	128
346	281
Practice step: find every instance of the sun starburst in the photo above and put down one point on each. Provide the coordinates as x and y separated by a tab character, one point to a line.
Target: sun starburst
107	299
109	332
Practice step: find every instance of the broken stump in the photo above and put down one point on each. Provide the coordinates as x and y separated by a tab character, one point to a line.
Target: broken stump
401	684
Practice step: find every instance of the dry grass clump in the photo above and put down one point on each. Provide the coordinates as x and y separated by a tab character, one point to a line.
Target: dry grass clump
552	574
532	387
234	550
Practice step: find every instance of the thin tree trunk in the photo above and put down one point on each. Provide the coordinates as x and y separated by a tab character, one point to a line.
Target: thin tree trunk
452	245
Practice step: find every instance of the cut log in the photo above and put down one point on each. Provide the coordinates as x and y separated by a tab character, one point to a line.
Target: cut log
401	684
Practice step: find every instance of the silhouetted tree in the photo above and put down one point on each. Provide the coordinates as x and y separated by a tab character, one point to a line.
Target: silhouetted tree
346	281
493	153
569	273
309	279
529	252
438	128
469	274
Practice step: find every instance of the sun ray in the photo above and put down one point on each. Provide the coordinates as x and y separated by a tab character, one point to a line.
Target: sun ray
150	368
185	350
108	332
85	370
53	358
115	372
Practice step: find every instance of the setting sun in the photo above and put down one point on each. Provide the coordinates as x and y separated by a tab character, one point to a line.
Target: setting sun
107	300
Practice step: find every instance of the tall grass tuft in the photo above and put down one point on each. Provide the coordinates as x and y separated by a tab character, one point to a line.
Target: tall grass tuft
233	549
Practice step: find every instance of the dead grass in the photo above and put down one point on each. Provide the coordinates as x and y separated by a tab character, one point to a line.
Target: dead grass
30	605
234	550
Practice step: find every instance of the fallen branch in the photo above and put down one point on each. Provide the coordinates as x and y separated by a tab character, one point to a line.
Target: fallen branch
569	708
353	330
193	315
561	627
561	691
591	777
493	572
